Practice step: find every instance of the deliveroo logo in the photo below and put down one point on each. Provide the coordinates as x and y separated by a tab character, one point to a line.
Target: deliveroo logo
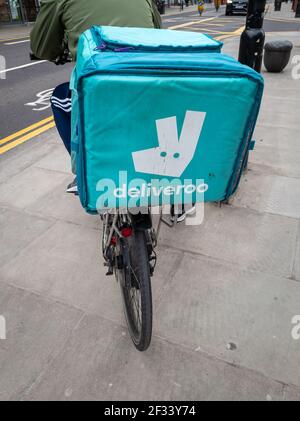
173	155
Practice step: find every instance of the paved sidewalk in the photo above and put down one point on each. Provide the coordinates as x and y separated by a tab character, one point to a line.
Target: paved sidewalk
285	13
12	32
224	293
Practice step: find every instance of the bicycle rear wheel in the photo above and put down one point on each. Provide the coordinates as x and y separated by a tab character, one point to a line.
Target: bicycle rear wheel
134	279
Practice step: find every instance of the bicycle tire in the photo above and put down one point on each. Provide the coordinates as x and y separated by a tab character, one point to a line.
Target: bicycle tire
135	254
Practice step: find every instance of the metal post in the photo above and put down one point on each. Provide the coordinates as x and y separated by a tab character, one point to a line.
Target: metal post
297	15
22	10
37	6
253	37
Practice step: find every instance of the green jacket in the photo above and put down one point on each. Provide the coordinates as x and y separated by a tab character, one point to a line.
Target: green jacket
65	20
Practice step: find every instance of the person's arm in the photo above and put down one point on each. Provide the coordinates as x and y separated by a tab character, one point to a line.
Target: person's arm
156	16
48	32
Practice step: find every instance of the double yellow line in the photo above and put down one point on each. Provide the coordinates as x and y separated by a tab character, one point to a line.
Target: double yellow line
16	139
235	33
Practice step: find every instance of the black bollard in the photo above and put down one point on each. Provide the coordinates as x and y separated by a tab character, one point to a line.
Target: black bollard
253	37
277	55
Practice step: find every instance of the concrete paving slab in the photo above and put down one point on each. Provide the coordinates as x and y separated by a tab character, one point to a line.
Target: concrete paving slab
287	119
270	193
297	260
292	394
285	12
168	261
280	116
243	237
36	331
240	316
290	90
30	186
17	231
22	158
8	32
70	269
64	207
281	139
274	160
99	363
66	264
57	160
279	99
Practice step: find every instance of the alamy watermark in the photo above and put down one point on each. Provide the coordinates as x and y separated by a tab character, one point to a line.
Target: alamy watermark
2	328
139	195
296	67
2	67
296	329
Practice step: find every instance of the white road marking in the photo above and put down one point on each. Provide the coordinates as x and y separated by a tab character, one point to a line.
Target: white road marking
183	25
23	67
16	42
43	100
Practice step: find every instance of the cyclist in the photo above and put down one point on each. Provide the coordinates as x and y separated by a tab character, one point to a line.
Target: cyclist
61	22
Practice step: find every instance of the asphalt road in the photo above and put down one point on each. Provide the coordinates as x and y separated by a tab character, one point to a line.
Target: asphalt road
25	92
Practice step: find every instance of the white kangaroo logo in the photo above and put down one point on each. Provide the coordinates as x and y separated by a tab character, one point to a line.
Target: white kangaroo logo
172	156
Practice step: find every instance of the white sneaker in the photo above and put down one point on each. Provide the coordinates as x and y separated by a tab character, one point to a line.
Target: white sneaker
192	210
72	187
182	215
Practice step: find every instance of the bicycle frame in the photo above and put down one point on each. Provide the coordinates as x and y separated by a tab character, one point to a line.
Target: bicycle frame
129	241
114	230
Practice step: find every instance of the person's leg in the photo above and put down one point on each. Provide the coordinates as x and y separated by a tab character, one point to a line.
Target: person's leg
61	108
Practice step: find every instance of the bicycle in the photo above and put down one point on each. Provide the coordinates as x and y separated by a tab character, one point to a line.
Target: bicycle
128	247
128	244
129	240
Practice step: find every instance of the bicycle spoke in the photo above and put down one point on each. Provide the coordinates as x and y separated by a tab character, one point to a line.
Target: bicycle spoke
134	274
133	300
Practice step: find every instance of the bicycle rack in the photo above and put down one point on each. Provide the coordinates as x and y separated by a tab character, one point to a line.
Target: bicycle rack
162	220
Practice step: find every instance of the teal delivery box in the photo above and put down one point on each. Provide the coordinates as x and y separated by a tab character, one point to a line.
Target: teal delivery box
159	116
